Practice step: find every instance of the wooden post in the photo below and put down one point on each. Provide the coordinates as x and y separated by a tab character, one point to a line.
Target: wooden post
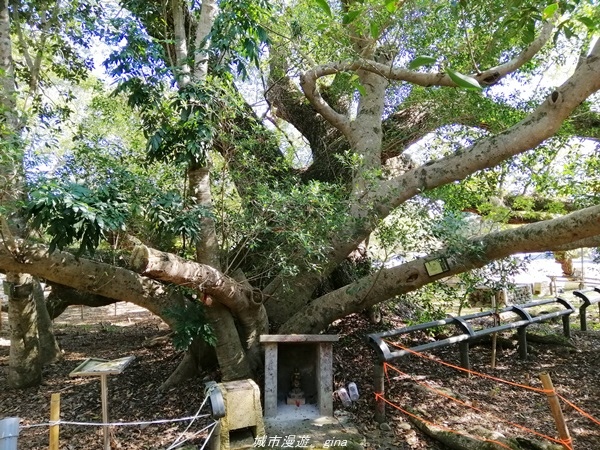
561	425
104	395
465	362
379	388
54	417
9	432
522	336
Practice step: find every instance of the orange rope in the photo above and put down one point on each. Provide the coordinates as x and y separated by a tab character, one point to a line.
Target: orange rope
379	396
500	380
462	369
443	394
579	410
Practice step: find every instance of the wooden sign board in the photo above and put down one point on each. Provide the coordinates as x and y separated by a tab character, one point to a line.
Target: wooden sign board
97	366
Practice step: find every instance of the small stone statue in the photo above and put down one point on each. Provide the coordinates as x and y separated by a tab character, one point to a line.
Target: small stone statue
296	394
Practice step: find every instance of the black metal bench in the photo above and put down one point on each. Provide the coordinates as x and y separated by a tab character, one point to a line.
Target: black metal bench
467	335
589	297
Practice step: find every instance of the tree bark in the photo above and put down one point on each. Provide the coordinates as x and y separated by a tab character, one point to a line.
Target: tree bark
91	276
230	298
24	366
49	349
25	363
61	297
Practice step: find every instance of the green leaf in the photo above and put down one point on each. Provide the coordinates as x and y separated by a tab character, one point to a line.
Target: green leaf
463	81
391	5
324	6
350	17
361	89
529	32
374	29
422	60
549	11
588	22
569	33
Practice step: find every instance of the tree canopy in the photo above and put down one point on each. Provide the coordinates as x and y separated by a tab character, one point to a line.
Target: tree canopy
248	150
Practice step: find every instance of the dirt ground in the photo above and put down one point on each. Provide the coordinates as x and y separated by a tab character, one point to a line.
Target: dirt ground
133	395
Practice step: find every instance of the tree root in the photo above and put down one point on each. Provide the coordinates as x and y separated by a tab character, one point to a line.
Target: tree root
483	440
550	339
186	369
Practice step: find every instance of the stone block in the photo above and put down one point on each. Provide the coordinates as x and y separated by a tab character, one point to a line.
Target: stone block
242	411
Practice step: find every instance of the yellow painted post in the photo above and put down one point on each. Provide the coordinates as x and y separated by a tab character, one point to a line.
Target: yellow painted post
54	417
561	425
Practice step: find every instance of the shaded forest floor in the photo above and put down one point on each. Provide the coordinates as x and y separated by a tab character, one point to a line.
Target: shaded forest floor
134	396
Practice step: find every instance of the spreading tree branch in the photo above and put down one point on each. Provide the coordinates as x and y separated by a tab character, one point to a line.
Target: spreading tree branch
389	282
308	80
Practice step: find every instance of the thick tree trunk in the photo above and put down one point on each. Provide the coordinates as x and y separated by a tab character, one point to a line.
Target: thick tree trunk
382	196
231	299
49	349
230	353
24	367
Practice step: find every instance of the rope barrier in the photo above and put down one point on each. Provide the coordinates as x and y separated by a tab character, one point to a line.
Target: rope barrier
493	378
460	402
579	410
178	442
112	424
209	435
128	424
206	396
472	372
408	413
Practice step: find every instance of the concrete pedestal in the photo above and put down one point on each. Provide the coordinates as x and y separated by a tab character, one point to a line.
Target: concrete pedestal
243	416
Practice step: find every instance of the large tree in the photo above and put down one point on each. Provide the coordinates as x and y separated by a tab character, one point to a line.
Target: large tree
262	228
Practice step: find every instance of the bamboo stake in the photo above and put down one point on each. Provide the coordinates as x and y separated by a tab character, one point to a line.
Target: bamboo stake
104	395
561	425
54	417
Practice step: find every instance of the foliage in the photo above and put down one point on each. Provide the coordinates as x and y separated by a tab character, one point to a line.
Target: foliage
239	33
123	166
495	276
183	130
71	212
190	323
174	215
430	303
276	220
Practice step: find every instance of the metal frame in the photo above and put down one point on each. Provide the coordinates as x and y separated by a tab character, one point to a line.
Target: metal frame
468	335
587	301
